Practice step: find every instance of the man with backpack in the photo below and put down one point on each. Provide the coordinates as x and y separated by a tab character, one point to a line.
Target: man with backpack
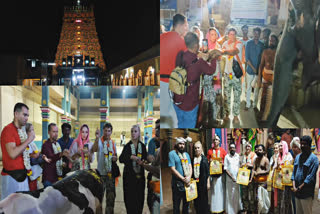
170	44
186	105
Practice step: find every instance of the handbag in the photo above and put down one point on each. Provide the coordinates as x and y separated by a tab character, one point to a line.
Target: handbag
115	170
237	69
236	66
19	175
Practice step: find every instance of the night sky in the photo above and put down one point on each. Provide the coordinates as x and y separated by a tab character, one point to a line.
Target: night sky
125	28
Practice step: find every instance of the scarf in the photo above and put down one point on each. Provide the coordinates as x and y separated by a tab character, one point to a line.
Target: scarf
136	167
184	163
108	153
26	156
285	151
57	149
84	162
196	166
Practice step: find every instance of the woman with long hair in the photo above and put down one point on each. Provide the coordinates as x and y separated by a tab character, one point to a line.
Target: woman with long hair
201	174
80	150
132	156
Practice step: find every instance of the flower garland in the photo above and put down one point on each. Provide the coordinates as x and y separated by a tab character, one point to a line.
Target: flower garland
196	164
108	151
184	163
136	167
214	155
57	149
26	156
84	164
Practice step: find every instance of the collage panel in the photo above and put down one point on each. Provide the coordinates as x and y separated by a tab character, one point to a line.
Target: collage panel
80	42
220	170
79	149
239	63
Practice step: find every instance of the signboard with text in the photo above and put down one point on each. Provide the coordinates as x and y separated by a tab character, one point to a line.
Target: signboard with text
249	11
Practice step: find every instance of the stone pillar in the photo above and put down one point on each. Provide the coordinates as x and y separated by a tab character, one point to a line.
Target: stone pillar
139	119
205	15
150	110
157	71
77	122
108	101
103	107
146	98
69	102
45	112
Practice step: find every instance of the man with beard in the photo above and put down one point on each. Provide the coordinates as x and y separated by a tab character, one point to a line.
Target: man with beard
260	174
181	168
304	176
232	165
52	172
65	142
14	176
266	76
153	198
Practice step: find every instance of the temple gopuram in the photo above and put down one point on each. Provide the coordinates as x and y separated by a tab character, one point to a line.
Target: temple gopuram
79	59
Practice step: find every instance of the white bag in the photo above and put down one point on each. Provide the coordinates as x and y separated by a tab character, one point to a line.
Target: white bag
254	82
263	200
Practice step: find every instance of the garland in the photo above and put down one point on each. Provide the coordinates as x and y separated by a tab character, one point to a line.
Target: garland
214	155
136	167
57	149
196	164
184	163
84	164
26	156
108	151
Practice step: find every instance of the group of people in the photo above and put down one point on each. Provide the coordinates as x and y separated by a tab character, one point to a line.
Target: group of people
262	192
24	163
212	56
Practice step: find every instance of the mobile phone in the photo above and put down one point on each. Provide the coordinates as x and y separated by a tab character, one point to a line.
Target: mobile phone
205	46
86	146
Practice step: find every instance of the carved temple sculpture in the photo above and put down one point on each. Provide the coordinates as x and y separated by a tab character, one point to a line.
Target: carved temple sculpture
78	49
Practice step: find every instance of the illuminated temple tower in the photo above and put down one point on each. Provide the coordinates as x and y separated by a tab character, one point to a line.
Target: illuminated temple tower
79	58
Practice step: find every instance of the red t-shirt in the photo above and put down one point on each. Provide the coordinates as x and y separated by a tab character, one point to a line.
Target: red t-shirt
170	45
10	135
223	153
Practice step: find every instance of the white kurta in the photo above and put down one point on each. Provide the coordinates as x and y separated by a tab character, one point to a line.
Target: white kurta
233	198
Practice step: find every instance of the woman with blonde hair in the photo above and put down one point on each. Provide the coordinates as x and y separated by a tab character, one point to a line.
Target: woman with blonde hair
201	174
132	156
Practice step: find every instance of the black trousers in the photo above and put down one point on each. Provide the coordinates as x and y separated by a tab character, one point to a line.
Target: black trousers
177	197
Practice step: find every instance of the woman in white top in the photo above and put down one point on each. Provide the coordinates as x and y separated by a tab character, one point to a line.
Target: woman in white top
80	150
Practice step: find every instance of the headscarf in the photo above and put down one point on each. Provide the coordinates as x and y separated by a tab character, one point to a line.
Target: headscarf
295	141
285	151
80	142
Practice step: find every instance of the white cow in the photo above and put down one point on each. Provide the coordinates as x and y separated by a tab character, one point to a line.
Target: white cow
80	192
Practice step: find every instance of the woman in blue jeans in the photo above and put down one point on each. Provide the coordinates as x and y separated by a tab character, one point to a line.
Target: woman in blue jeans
186	106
